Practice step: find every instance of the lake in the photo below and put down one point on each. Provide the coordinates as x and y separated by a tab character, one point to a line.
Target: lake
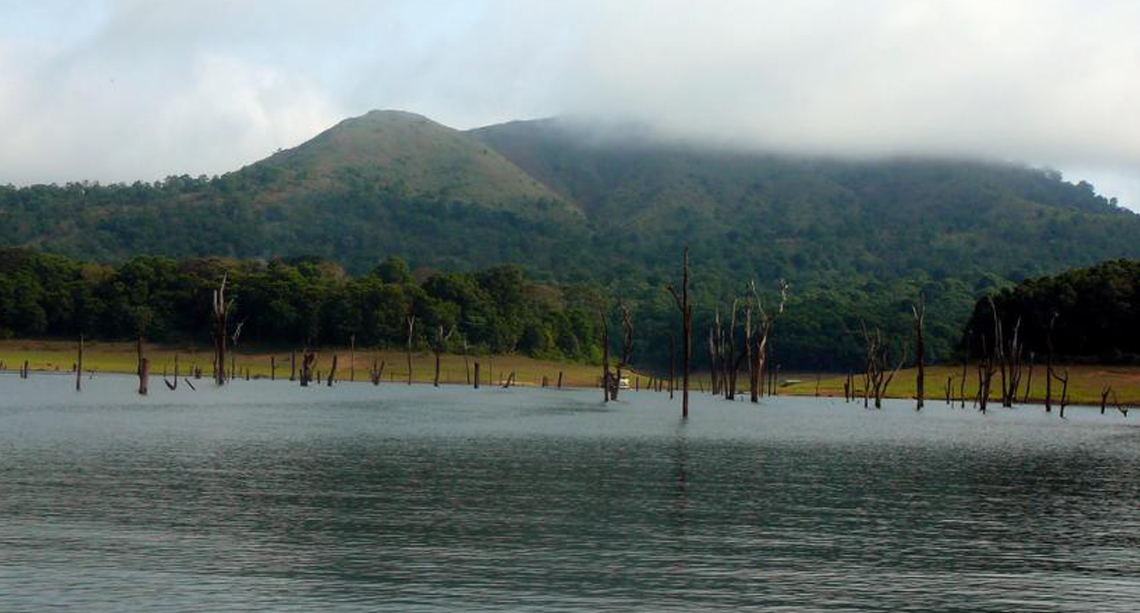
266	496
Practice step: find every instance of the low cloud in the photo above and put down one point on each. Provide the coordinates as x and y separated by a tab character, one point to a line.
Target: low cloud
144	89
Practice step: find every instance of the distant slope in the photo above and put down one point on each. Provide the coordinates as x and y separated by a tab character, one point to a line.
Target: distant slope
386	183
412	154
857	239
771	216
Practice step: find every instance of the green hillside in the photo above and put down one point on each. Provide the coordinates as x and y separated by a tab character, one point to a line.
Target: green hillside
856	239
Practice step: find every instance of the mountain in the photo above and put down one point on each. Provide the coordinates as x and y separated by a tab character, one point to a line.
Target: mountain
411	153
857	239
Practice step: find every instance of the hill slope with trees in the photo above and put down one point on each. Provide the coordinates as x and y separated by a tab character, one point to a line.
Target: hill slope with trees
857	240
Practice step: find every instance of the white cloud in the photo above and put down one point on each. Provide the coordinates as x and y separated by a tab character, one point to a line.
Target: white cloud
144	89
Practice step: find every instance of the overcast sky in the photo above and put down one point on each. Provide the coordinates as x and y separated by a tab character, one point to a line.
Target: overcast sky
118	90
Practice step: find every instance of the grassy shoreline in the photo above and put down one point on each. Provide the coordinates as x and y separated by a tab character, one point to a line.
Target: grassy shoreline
1085	385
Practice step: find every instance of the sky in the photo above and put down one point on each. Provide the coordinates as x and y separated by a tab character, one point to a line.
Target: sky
124	90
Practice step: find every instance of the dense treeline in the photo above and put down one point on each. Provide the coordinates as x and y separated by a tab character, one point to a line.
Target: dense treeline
1094	314
296	302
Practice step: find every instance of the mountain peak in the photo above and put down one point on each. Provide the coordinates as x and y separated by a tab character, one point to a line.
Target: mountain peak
420	156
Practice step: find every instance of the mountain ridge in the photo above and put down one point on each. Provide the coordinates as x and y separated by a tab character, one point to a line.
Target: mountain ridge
856	238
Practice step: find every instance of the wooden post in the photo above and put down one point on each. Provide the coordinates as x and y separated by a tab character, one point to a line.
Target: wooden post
560	379
352	358
79	367
476	374
682	300
272	368
332	371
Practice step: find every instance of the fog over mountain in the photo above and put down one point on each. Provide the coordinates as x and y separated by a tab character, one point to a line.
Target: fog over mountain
117	90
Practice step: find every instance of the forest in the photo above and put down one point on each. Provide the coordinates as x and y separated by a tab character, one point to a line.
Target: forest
301	302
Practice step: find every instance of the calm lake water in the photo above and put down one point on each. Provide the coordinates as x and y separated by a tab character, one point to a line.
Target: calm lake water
268	497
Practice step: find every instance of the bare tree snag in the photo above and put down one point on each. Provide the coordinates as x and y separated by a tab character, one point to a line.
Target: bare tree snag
439	347
1028	379
878	361
919	311
272	368
144	375
1104	392
411	336
1049	364
1064	379
476	374
759	347
466	362
222	309
307	368
682	300
191	385
293	365
510	380
352	358
560	379
672	364
607	385
79	367
332	371
626	349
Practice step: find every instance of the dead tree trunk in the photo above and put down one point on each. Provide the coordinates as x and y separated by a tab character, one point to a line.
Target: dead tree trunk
411	332
878	361
293	365
439	347
682	299
222	309
79	367
352	358
476	374
920	353
1049	365
466	362
1029	379
1104	392
672	364
144	376
272	368
332	371
1064	379
607	385
626	348
307	368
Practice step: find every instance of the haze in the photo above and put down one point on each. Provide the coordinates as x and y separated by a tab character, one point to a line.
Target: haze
119	90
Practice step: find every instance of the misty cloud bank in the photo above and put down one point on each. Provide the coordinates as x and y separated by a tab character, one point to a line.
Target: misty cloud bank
126	89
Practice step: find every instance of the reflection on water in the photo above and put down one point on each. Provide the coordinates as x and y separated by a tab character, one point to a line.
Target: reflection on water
265	496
